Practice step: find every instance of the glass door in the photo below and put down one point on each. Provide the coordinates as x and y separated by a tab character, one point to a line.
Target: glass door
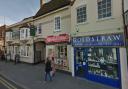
80	62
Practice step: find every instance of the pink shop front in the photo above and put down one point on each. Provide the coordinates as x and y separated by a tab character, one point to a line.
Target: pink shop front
57	47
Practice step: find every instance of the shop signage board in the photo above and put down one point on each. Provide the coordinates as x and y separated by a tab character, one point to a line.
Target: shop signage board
99	40
57	39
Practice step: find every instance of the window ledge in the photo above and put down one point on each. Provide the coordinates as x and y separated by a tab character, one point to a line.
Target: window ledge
105	19
57	31
39	34
25	56
84	23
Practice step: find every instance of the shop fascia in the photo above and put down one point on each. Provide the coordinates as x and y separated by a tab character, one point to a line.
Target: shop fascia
59	38
114	39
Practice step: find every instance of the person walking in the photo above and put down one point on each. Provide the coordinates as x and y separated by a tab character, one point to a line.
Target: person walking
48	70
17	58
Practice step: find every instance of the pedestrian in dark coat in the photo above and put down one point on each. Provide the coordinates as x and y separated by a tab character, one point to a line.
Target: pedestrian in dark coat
17	58
48	70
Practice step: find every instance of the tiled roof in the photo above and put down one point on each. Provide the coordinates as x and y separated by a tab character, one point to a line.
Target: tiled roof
51	6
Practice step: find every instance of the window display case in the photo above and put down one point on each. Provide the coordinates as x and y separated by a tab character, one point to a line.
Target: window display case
61	57
103	62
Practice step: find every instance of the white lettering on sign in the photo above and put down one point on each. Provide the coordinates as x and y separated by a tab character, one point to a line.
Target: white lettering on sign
114	39
55	39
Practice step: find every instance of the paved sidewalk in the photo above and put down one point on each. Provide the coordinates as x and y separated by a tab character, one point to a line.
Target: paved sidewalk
32	77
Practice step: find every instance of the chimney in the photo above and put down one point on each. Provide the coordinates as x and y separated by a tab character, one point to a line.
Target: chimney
42	2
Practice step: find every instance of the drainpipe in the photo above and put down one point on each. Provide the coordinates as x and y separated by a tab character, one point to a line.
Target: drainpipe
124	22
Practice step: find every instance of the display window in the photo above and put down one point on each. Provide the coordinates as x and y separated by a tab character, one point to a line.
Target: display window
61	56
103	62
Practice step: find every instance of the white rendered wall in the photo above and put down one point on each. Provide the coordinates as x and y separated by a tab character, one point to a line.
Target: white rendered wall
72	61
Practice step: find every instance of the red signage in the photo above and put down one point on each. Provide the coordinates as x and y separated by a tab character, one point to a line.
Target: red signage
58	39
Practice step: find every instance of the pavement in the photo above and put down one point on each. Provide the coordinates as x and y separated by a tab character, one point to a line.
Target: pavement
30	76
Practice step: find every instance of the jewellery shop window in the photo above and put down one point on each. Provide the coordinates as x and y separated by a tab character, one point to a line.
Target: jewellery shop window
61	54
103	62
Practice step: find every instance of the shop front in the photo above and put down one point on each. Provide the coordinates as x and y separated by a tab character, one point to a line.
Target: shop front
57	47
39	50
97	58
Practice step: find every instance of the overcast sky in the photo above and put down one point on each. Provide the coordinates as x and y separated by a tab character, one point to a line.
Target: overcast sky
125	5
15	10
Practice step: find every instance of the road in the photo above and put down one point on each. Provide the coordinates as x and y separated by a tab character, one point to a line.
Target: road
6	84
2	86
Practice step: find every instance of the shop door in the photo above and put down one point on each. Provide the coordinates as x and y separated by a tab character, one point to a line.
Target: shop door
37	56
80	62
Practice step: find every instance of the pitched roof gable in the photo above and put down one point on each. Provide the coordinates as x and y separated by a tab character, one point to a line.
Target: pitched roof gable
51	6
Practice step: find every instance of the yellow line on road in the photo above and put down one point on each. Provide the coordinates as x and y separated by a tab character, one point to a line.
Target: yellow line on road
7	84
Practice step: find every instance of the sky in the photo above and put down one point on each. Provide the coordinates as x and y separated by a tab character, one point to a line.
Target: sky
125	5
15	10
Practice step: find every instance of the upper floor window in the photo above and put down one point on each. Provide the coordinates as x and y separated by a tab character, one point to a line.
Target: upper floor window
8	35
57	23
3	34
24	33
39	30
21	33
81	14
15	34
104	8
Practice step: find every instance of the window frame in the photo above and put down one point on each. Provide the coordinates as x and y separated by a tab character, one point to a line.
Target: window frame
39	26
81	6
57	30
103	18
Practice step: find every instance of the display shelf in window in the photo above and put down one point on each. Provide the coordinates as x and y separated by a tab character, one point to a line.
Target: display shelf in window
112	63
93	61
103	62
96	66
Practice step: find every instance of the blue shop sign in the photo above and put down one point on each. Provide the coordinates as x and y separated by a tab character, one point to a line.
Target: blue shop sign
100	40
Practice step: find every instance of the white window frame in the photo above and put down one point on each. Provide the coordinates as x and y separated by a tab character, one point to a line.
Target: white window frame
81	6
56	30
104	18
39	26
24	33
